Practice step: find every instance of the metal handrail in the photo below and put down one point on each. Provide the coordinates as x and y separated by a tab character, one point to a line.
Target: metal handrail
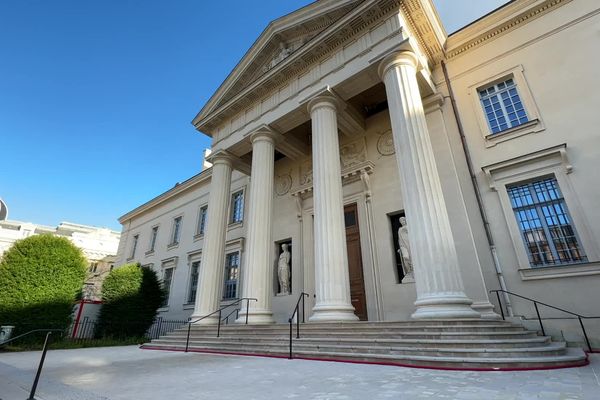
220	310
237	315
44	350
291	319
535	302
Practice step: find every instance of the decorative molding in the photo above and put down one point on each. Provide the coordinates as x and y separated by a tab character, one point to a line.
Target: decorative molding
170	260
283	184
564	271
504	27
559	152
350	174
353	153
385	143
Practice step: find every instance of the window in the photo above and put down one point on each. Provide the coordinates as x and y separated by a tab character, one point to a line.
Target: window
176	231
545	224
502	106
167	279
153	237
202	220
134	246
93	267
232	271
237	207
193	282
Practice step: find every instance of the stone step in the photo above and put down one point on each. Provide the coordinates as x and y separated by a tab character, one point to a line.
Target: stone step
569	358
300	345
442	343
453	344
371	335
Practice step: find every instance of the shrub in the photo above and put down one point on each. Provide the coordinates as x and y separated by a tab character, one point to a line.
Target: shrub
40	278
131	296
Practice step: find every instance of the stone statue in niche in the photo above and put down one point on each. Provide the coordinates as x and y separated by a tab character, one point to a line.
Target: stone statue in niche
283	270
404	249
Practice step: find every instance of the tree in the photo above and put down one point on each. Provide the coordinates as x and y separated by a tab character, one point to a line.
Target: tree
131	296
40	278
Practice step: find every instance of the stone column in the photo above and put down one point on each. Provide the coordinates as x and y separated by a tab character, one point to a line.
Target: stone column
210	282
439	286
257	271
332	284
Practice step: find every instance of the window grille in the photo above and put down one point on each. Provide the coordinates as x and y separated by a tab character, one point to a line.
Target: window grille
232	270
545	224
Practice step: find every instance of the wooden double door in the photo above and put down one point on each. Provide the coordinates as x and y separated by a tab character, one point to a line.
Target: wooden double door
355	266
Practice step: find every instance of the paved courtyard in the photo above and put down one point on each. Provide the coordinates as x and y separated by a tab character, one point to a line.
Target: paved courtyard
130	373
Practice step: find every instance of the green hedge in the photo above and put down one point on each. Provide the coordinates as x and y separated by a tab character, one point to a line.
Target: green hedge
131	296
40	278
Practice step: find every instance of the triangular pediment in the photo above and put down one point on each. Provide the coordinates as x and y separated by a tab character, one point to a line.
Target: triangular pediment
279	40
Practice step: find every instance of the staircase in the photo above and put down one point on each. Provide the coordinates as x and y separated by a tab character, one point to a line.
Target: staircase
471	344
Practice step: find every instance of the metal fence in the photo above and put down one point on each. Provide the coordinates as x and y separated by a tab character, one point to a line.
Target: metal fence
86	328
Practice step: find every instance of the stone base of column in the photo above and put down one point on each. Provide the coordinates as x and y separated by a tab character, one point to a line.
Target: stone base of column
212	320
333	313
255	317
444	305
486	309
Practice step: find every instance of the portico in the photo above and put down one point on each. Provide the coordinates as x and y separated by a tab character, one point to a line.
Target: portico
305	118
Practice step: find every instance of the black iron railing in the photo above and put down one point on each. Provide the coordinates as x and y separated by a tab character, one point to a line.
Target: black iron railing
220	312
44	350
580	317
295	314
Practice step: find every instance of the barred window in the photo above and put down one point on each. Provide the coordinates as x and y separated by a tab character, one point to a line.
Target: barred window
237	207
193	282
202	220
502	106
134	246
153	236
545	224
167	279
232	272
176	230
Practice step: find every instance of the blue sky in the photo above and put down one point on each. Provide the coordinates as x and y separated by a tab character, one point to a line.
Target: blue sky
96	98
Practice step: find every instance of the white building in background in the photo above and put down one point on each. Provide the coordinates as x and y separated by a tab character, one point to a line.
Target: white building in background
346	116
99	245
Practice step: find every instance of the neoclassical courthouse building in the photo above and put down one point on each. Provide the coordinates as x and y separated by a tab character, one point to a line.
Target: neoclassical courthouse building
407	171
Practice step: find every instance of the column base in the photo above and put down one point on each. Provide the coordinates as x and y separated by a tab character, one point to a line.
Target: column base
444	305
212	320
255	317
333	313
486	309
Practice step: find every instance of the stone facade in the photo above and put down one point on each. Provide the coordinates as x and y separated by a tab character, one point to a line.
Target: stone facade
370	104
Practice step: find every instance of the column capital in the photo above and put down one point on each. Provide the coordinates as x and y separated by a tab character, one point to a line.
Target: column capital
221	157
325	98
265	132
402	57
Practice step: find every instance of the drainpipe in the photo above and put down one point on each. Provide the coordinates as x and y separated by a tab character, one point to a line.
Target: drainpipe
482	212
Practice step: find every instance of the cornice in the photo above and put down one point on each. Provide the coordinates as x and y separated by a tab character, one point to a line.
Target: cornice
168	195
322	45
502	21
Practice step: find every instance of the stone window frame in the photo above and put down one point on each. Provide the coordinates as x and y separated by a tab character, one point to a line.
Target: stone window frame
232	246
535	123
152	249
230	222
133	249
198	234
168	263
552	161
193	256
172	244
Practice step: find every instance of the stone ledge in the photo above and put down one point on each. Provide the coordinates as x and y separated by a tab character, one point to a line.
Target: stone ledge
565	271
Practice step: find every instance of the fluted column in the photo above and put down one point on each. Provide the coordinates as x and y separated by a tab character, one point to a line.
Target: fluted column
439	286
257	271
210	282
332	284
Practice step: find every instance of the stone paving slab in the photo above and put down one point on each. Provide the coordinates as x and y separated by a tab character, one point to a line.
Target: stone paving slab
119	373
